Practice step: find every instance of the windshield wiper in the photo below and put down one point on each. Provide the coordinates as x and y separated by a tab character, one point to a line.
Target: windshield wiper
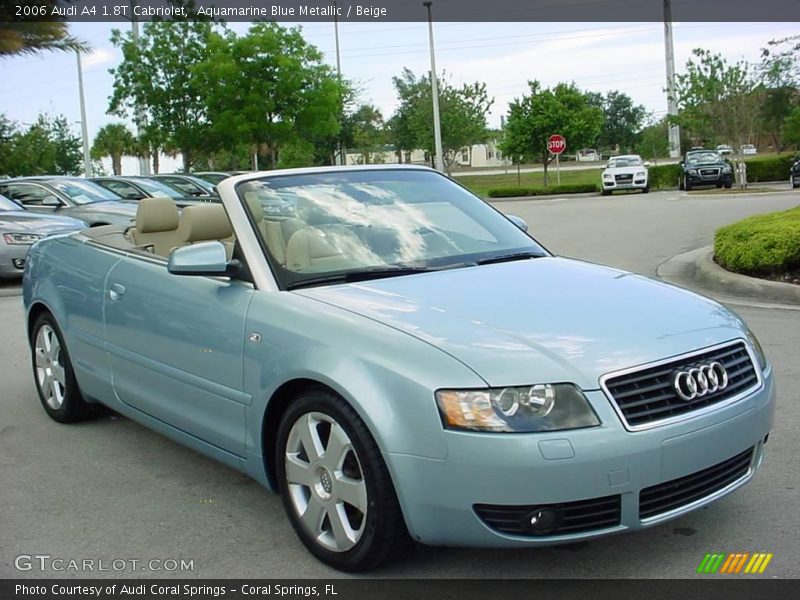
360	275
510	257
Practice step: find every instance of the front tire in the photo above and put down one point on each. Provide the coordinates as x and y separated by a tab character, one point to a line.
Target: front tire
335	486
53	374
686	185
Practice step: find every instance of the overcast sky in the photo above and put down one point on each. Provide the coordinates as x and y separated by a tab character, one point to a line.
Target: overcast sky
597	56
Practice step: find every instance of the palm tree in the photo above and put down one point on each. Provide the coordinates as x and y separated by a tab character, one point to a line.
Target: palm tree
114	140
31	36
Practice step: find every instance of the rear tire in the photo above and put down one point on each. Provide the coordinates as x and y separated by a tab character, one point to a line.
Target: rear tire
335	486
53	374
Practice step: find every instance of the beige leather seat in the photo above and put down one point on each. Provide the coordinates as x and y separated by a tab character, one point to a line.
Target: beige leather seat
327	249
156	225
274	232
204	223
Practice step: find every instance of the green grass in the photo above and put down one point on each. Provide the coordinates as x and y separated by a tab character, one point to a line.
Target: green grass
481	184
766	244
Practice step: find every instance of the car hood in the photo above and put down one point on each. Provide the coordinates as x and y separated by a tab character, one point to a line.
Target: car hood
546	319
624	170
28	222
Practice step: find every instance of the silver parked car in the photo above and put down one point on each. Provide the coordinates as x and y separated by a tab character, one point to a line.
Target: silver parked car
70	197
20	229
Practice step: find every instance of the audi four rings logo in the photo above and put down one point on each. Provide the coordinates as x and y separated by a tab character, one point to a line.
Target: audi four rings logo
699	381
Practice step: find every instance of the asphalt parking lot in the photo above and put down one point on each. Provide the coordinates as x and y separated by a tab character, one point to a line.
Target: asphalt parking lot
111	489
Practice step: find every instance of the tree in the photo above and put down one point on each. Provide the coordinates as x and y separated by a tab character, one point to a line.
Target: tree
462	112
367	131
157	77
718	102
47	147
31	36
268	88
533	118
114	140
791	127
622	121
780	75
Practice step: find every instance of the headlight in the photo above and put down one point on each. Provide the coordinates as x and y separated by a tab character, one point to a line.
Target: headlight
727	170
608	176
641	174
543	407
757	349
692	171
21	239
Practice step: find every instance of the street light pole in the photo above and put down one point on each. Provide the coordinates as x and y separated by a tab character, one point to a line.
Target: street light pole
87	160
144	164
674	131
437	126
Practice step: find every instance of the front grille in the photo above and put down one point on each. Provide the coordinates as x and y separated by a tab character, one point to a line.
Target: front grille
647	395
709	173
575	517
668	496
623	178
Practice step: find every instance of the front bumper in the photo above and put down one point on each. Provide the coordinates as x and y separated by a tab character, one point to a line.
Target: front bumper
439	497
12	259
635	184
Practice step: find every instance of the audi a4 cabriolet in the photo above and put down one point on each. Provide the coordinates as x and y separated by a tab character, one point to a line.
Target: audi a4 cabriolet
401	362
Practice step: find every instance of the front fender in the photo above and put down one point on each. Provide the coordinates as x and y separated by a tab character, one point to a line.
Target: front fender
388	377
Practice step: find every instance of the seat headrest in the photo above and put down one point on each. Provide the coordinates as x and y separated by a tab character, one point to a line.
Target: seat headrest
255	205
156	214
205	222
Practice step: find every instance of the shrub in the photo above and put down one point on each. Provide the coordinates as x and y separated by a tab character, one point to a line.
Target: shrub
772	168
760	245
664	176
514	192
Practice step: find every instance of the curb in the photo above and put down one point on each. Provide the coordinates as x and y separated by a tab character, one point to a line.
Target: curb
698	269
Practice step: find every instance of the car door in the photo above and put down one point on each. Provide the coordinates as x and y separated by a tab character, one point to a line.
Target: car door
175	346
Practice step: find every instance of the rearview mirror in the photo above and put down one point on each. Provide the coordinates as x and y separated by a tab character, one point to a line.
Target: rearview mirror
518	221
205	258
51	201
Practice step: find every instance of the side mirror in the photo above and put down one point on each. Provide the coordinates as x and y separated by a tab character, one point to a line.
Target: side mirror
51	201
205	258
518	221
647	164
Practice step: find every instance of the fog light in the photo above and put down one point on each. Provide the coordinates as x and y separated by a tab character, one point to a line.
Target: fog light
541	521
19	263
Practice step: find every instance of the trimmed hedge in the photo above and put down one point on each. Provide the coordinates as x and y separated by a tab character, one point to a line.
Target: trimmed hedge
664	176
760	245
514	192
772	168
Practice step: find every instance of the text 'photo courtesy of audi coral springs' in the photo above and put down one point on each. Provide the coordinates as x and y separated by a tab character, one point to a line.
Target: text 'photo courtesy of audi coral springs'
401	362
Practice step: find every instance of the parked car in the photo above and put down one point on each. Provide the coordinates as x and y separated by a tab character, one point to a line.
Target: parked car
214	177
21	228
187	184
587	155
626	172
794	174
748	149
70	197
705	167
724	150
136	188
401	361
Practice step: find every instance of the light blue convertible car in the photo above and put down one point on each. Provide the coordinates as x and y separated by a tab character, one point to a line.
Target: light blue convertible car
402	362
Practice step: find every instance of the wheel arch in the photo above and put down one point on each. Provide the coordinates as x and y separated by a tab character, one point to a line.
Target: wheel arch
37	309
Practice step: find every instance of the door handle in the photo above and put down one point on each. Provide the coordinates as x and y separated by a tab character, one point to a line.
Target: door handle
116	291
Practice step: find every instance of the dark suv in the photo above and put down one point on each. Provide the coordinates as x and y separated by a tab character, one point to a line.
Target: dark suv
705	167
794	174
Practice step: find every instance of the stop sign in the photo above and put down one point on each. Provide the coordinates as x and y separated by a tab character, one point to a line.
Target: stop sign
556	144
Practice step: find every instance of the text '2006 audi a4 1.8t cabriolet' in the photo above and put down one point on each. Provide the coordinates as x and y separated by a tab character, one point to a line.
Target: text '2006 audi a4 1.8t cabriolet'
401	362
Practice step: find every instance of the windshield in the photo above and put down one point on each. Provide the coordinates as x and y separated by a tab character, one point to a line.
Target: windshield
82	192
363	221
157	188
698	158
625	161
7	204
